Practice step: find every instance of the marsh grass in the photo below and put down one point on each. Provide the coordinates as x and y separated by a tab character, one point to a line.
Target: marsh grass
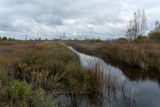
34	73
145	55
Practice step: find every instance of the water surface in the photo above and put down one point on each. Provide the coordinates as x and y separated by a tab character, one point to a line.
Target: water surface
140	92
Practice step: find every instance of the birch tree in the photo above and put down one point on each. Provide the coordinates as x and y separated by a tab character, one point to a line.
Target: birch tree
137	26
157	26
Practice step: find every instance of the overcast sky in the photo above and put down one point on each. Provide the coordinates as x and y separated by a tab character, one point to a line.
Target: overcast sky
75	17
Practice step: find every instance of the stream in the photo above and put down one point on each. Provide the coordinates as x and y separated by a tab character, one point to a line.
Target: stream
129	93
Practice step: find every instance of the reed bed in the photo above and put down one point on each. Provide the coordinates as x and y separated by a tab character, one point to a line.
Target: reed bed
36	73
142	55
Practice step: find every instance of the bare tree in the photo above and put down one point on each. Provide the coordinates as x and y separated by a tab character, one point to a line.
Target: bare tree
129	33
157	26
137	26
64	36
143	24
26	37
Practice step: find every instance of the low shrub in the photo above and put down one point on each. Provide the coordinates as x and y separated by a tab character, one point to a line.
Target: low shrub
140	39
21	91
122	40
154	36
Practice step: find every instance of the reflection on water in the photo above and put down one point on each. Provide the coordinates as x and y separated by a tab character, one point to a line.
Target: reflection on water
137	92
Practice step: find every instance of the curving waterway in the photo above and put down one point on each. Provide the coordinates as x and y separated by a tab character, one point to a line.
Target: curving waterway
130	93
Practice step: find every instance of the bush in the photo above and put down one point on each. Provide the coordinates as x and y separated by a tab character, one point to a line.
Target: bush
4	38
154	36
122	40
140	39
39	97
21	90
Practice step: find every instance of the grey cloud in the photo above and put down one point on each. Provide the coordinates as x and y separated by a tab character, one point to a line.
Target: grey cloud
52	16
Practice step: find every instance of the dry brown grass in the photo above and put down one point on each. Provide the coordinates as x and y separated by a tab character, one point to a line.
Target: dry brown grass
143	55
43	67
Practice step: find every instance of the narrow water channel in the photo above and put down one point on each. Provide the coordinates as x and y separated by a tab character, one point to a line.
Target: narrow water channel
136	93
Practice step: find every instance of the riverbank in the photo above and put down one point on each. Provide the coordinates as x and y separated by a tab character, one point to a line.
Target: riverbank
140	55
35	73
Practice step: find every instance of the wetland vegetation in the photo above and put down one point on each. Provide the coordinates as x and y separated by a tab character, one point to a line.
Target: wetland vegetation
34	74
